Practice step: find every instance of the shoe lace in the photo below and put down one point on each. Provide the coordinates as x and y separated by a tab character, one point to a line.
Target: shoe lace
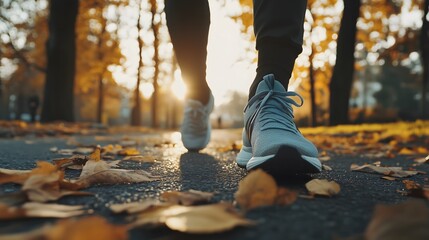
269	112
194	116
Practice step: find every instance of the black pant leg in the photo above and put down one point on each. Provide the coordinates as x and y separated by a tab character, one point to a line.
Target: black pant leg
278	26
188	23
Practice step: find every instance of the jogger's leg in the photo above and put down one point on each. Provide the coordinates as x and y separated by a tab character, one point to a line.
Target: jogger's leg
278	26
188	22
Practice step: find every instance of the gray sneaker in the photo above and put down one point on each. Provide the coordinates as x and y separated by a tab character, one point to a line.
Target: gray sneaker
196	128
271	140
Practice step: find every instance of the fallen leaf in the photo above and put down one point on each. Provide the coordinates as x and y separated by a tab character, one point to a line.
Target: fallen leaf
139	158
191	197
388	178
409	220
129	152
204	219
406	151
73	162
388	171
325	158
88	228
285	196
80	150
422	160
99	172
326	167
13	176
256	189
323	187
416	190
40	210
136	207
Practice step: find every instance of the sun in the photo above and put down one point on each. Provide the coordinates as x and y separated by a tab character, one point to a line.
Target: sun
178	87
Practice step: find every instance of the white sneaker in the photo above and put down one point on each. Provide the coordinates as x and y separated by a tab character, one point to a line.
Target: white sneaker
270	136
196	127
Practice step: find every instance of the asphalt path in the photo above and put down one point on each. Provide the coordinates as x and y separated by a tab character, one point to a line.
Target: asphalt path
214	170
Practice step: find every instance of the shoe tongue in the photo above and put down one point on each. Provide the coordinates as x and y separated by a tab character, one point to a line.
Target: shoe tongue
269	83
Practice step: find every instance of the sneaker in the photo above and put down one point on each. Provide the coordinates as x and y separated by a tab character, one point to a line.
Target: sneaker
271	140
196	126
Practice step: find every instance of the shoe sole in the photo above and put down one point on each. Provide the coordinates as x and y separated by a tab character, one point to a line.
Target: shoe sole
200	147
287	161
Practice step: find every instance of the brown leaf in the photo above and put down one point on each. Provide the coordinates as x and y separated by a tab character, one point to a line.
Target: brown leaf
13	176
136	207
388	178
204	219
323	187
285	196
416	190
88	228
406	151
256	189
40	210
97	171
139	158
389	171
409	220
191	197
73	162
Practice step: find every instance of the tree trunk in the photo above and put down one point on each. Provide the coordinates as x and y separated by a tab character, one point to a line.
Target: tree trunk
155	29
61	55
100	102
312	89
424	44
342	76
136	111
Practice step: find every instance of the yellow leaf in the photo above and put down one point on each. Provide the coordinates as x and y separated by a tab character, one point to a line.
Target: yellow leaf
129	152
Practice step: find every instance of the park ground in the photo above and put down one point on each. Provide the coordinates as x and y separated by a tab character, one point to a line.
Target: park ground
341	216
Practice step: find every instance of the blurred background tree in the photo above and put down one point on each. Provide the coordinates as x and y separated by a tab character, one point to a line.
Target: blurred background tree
125	70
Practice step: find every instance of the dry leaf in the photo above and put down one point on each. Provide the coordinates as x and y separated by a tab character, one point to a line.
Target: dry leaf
88	228
409	220
416	190
97	171
285	196
139	158
73	162
325	158
80	150
256	189
13	176
422	160
136	207
323	187
40	210
326	167
129	152
213	218
406	151
191	197
389	171
388	178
